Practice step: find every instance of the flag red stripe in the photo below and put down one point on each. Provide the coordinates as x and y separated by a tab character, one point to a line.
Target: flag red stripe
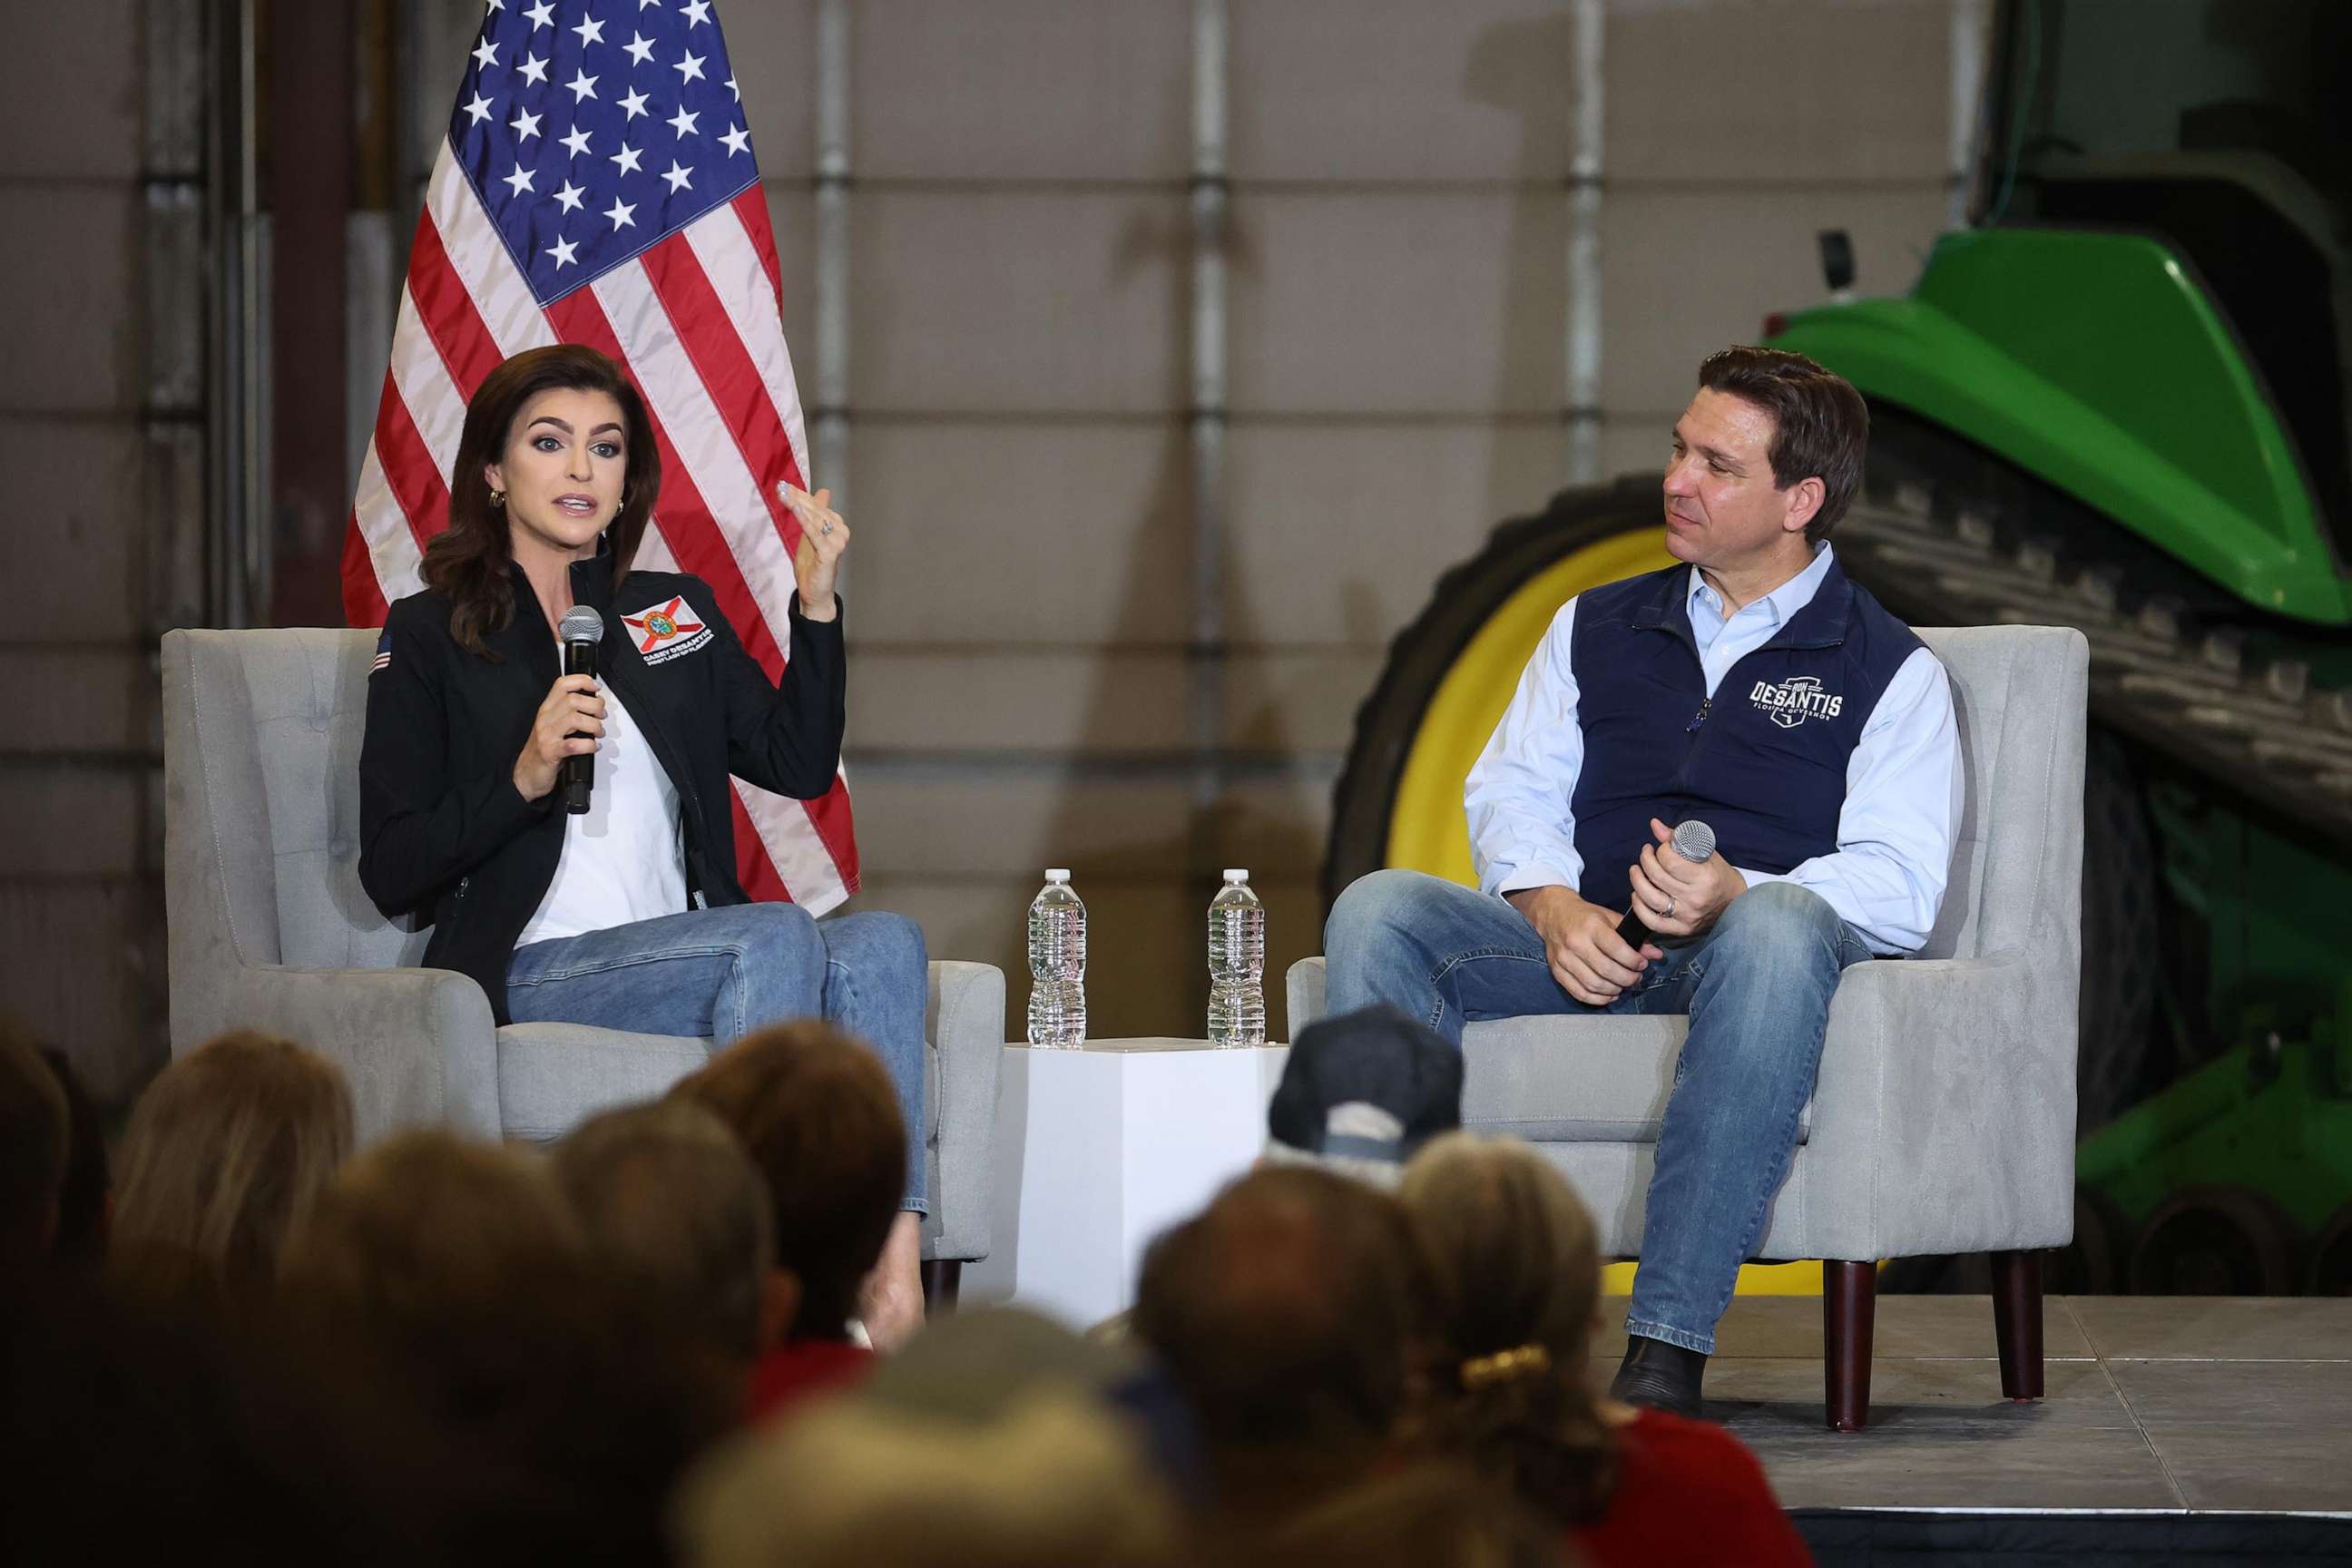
694	538
751	210
757	874
726	368
408	467
447	311
836	831
363	602
686	521
737	388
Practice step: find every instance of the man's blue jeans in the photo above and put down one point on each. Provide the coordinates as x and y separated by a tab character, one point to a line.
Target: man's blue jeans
1757	987
721	973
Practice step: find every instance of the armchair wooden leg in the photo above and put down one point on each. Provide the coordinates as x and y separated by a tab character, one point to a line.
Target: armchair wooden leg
2016	1322
942	1278
1849	1309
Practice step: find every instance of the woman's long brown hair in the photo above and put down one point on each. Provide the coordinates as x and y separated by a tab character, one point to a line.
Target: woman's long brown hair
468	561
1512	1253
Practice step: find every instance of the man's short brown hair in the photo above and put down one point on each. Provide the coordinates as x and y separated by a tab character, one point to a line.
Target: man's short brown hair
1820	427
816	1112
1288	1314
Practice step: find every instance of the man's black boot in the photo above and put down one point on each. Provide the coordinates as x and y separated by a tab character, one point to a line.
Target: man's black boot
1660	1376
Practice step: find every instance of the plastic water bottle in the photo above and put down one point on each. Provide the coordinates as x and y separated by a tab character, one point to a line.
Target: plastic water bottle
1057	964
1237	965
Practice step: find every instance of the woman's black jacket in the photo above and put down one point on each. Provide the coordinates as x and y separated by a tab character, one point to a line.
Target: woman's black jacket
444	834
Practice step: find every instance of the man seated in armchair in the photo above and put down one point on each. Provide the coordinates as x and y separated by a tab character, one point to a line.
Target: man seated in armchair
1751	687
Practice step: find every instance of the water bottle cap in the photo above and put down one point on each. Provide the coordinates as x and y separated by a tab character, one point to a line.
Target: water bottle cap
1058	874
1238	874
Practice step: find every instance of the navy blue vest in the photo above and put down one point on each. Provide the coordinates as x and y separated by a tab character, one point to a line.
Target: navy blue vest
1763	761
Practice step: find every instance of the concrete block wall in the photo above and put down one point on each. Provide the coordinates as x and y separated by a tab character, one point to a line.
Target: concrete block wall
1398	306
87	565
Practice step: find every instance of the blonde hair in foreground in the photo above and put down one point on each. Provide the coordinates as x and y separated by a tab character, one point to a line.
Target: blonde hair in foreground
1514	1259
1053	1480
227	1154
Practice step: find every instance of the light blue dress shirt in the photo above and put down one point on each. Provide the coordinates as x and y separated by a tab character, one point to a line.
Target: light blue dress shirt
1903	783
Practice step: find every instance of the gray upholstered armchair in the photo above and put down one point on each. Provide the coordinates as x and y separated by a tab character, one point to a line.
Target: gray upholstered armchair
1943	1119
270	929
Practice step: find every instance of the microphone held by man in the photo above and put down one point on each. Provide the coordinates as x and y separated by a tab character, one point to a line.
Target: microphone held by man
1695	841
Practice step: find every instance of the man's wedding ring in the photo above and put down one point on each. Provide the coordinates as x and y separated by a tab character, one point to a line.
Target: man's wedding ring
1670	906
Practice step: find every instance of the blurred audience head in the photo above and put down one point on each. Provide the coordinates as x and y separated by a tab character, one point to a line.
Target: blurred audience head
225	1157
531	1404
433	1251
667	1198
85	1199
34	1134
1513	1265
1421	1516
816	1112
1053	1480
975	1365
1291	1313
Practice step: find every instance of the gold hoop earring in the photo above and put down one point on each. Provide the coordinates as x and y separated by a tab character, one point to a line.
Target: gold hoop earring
498	498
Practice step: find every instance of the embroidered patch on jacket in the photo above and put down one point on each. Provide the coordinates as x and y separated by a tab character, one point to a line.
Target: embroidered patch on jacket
383	653
667	631
1790	703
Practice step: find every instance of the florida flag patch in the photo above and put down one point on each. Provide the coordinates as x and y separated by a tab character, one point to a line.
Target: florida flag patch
667	631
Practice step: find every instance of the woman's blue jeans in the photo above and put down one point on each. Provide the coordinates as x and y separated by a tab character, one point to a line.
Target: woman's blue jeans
1757	987
721	973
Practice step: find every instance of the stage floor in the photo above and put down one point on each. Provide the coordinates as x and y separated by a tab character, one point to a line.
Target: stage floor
2166	1404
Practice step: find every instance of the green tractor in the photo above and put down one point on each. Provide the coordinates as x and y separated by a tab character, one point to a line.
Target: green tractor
2117	400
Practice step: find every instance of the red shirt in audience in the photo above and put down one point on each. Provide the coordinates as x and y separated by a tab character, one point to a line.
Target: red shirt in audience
798	1369
1688	1491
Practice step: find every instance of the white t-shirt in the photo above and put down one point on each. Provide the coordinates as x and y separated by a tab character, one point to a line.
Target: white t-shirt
621	857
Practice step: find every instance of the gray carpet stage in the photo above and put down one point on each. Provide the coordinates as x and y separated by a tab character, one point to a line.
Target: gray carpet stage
2176	1429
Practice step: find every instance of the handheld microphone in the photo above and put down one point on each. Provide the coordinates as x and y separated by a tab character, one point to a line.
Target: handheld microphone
581	628
1693	841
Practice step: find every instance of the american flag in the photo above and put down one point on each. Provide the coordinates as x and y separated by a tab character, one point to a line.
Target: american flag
598	187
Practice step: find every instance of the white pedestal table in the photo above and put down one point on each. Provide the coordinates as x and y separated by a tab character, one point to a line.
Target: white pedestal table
1100	1149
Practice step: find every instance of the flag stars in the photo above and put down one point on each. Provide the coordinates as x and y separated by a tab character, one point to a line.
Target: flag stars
534	71
633	102
697	11
736	141
640	49
541	16
570	197
565	253
690	69
679	178
625	160
622	214
486	54
577	141
733	89
479	108
518	182
682	123
582	86
591	31
525	124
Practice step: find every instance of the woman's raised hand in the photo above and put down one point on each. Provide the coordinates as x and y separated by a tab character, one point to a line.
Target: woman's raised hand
816	562
567	725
